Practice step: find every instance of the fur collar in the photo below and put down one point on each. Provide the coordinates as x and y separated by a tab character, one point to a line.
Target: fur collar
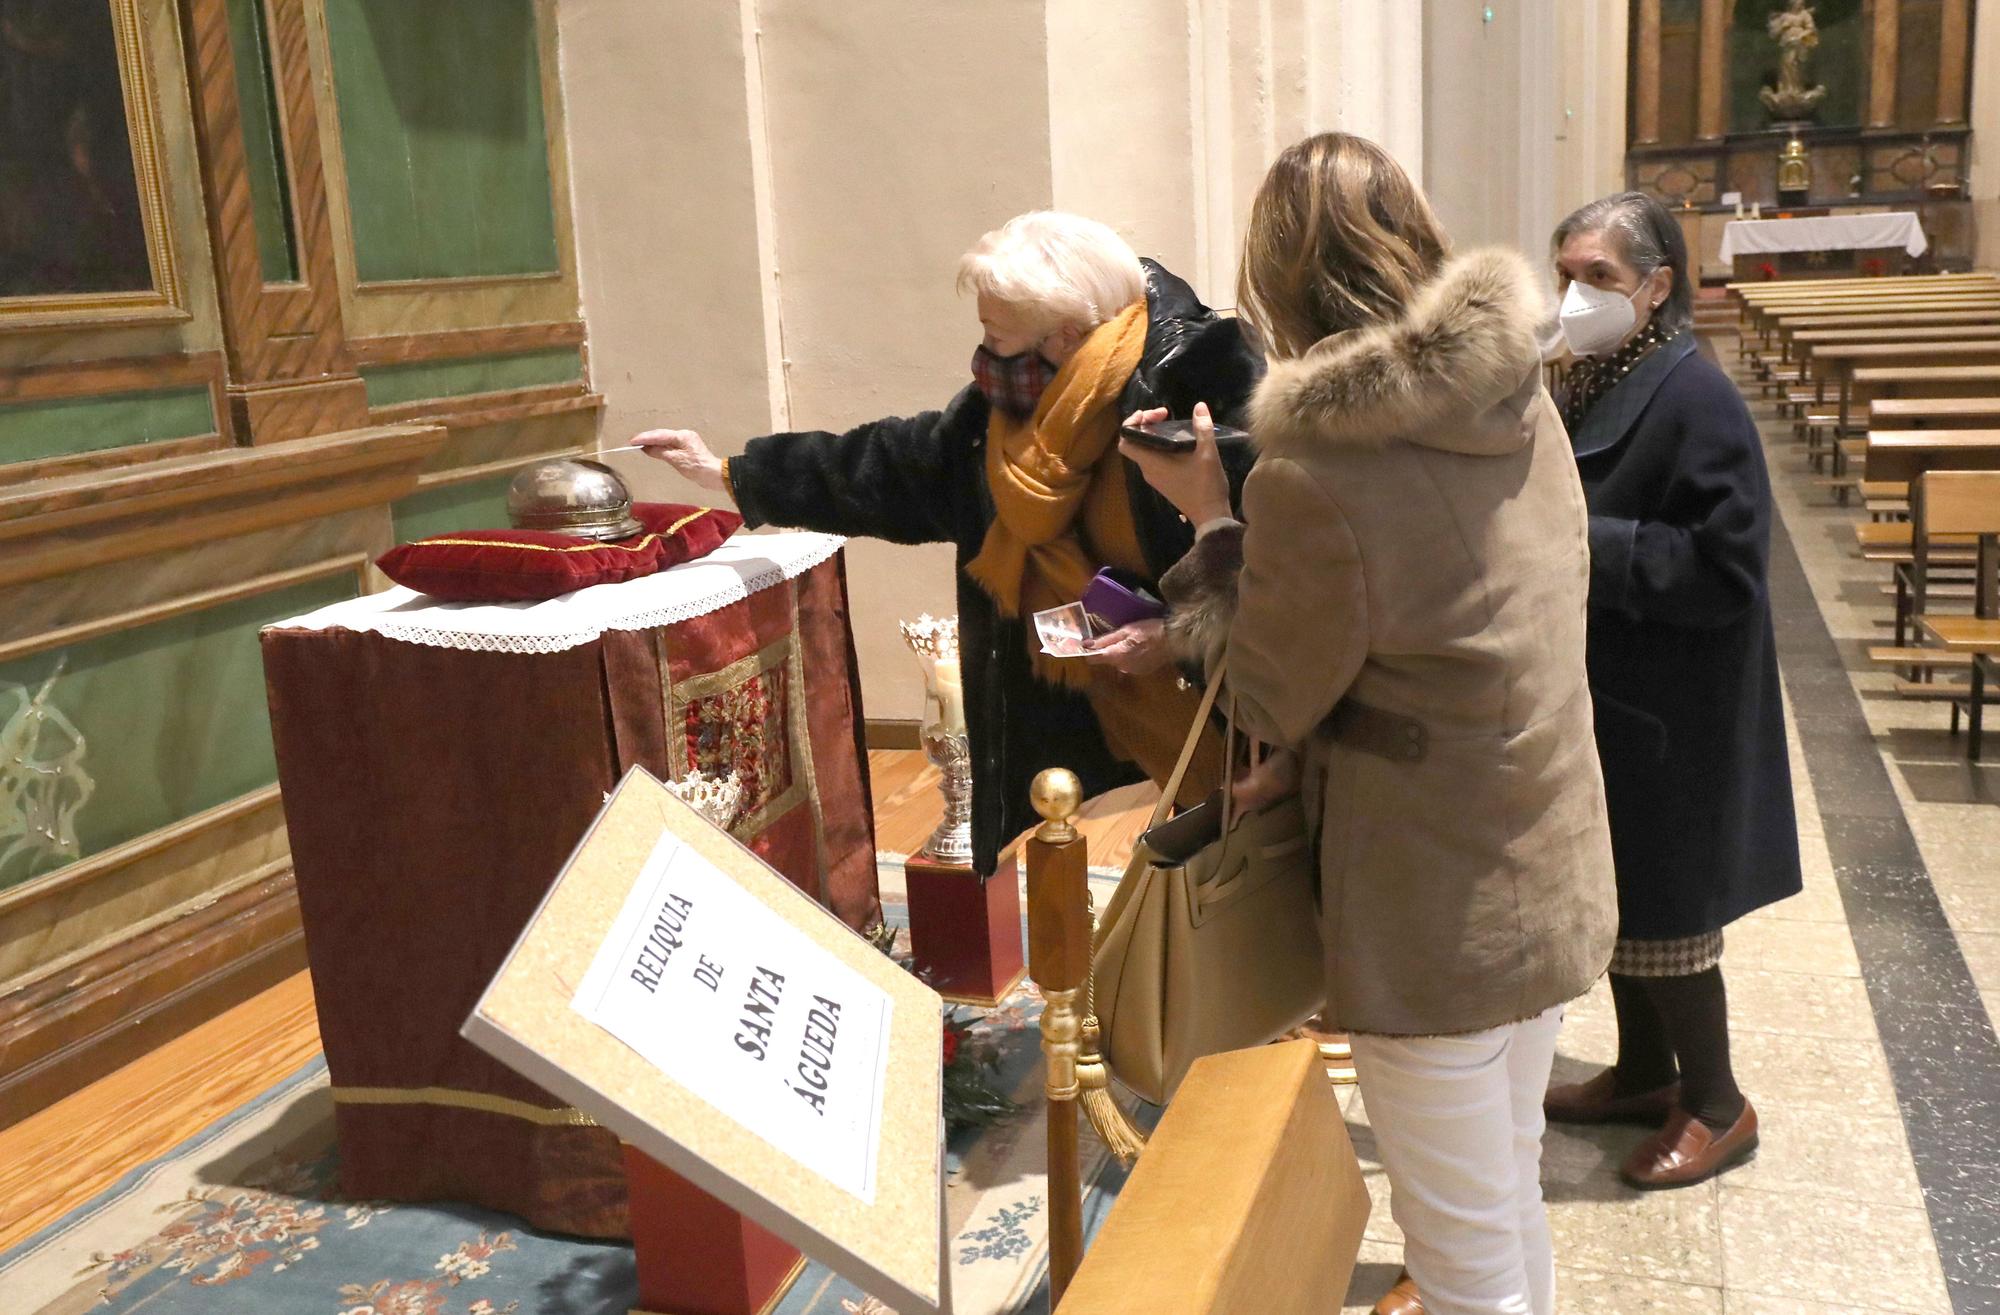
1438	376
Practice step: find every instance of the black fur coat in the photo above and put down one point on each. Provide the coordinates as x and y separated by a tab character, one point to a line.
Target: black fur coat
922	479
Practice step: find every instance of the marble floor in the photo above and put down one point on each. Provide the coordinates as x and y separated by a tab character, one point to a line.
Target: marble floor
1861	1011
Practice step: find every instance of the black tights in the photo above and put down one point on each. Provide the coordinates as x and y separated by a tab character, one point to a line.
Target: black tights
1678	1026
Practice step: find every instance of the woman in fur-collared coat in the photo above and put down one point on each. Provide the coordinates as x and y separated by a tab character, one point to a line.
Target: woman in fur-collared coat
1405	610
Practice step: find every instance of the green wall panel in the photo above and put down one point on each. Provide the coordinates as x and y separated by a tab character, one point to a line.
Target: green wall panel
389	385
270	192
479	504
441	126
133	731
32	430
1840	64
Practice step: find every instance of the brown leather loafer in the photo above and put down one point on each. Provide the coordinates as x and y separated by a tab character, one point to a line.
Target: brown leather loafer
1687	1151
1401	1299
1598	1101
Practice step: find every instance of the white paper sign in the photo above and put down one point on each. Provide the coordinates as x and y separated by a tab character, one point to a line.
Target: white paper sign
741	1008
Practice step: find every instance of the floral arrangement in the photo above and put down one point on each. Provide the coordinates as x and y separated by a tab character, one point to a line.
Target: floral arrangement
1768	270
971	1059
1874	267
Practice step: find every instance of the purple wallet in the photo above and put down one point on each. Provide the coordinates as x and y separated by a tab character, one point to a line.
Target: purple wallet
1116	598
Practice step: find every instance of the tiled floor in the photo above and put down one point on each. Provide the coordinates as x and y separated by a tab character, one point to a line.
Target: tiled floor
1833	1213
1828	1217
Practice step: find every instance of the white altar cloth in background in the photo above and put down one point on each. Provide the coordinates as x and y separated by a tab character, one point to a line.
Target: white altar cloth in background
1897	228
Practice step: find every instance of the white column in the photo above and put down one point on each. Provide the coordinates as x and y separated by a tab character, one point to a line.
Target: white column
891	150
765	206
1984	179
669	223
1539	123
1492	115
1129	157
1368	58
1291	70
1590	150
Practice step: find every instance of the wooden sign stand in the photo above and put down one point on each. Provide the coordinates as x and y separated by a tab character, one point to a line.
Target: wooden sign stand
611	999
696	1256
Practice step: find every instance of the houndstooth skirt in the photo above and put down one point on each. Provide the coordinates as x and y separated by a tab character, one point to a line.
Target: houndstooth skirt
1683	956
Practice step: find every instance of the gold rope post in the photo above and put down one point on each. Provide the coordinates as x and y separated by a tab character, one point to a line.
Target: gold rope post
1059	962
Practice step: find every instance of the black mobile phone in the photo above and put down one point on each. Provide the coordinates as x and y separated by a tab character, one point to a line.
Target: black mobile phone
1173	435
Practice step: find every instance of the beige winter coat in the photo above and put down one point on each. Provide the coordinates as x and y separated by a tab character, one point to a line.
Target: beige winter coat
1409	614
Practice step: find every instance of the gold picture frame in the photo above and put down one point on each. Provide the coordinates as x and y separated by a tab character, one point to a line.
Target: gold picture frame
165	301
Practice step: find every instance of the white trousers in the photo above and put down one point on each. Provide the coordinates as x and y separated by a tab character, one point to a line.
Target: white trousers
1458	1123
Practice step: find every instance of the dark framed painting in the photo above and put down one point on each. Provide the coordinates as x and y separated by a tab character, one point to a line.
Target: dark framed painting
83	222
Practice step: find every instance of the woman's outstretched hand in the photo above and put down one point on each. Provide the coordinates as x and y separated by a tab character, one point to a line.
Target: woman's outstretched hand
684	450
1193	481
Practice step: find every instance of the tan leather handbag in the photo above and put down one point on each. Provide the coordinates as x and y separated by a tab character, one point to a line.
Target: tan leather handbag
1211	942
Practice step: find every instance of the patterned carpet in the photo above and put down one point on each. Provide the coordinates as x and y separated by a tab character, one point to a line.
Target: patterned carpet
242	1219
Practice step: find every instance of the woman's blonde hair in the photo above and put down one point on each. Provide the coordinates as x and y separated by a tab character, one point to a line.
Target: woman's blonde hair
1339	237
1060	269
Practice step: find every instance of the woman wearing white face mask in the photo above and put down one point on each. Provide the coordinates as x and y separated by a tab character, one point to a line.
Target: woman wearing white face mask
1684	673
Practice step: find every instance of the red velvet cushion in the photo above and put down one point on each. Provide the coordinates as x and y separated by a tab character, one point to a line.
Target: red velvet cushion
492	566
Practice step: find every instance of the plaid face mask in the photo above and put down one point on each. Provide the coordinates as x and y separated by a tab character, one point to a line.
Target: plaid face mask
1012	384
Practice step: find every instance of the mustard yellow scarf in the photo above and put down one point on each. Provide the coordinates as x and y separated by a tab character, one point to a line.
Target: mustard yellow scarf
1042	471
1062	511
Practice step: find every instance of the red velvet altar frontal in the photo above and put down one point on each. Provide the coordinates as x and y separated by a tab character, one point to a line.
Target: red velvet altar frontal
432	794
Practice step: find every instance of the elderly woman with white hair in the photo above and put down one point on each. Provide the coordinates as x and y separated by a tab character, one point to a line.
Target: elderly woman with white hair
1022	472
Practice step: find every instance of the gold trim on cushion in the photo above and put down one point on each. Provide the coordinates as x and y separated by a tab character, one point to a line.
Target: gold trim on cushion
640	546
562	1116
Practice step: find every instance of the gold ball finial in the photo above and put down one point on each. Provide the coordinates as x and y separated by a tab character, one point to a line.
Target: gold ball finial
1056	794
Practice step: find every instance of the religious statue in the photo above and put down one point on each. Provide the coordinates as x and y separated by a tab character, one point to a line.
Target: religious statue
1797	35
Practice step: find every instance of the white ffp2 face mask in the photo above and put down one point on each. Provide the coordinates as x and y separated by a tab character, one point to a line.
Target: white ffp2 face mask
1595	320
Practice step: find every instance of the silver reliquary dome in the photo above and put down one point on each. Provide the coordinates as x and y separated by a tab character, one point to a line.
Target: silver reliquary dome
584	499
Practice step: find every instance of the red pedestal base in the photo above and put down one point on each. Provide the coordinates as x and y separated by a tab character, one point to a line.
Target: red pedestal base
697	1256
966	933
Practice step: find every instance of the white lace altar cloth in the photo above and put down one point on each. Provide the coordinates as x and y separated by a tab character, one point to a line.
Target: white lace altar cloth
1896	228
746	564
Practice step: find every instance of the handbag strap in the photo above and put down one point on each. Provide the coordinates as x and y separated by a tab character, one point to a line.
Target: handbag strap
1172	790
1229	767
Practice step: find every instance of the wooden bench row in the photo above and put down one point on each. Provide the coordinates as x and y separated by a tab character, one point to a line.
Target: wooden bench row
1893	386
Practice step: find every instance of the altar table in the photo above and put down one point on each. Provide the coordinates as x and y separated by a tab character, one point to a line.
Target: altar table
1823	245
440	761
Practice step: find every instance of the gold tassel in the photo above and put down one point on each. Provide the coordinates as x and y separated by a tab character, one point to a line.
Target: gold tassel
1118	1133
1093	1077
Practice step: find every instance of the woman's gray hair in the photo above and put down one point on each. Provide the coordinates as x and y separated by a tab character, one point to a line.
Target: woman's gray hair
1647	237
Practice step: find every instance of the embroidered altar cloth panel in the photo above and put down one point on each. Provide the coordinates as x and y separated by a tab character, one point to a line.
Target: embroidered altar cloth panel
440	762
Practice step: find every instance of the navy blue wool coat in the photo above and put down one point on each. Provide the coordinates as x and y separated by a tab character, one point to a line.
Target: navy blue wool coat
922	479
1683	664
